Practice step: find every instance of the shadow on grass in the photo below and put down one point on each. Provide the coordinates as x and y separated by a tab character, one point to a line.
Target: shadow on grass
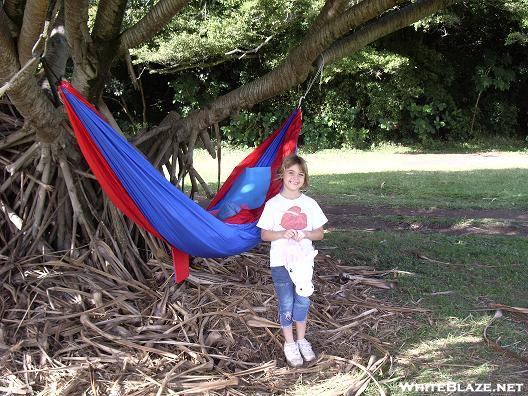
453	350
504	144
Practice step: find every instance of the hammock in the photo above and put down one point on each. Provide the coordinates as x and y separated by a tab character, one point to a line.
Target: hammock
143	194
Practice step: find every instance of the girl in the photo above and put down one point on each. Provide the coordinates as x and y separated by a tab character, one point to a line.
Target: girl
288	217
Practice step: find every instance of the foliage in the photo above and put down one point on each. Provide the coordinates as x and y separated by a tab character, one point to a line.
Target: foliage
519	10
456	76
210	32
194	90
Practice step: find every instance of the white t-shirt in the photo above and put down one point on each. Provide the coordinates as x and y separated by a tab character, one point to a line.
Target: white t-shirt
281	213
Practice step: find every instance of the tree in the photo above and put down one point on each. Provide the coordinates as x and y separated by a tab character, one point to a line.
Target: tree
49	201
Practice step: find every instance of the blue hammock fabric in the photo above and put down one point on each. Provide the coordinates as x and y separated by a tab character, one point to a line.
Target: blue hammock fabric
149	199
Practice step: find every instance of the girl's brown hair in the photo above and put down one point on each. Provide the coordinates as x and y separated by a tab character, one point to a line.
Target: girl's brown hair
289	161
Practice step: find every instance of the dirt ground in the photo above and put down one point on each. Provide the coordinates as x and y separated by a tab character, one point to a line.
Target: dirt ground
501	221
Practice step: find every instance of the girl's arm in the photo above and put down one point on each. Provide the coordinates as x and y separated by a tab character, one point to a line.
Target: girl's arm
267	235
314	235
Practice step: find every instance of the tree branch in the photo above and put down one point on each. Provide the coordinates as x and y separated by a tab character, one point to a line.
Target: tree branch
32	26
76	21
15	10
36	108
109	19
25	94
355	16
148	26
363	12
8	58
385	25
93	54
78	38
245	53
330	10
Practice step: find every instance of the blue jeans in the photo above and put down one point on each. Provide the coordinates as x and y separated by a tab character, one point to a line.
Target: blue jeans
292	307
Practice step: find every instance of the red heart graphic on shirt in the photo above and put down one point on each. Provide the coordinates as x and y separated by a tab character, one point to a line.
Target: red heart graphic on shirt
294	219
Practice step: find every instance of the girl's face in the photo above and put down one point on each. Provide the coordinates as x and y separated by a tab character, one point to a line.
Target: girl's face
293	178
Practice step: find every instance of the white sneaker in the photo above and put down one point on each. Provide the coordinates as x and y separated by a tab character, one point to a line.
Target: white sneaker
306	349
292	354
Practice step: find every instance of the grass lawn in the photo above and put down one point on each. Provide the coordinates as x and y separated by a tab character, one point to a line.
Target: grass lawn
454	275
479	189
479	180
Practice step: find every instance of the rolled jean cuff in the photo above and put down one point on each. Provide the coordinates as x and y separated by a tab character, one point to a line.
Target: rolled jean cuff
300	309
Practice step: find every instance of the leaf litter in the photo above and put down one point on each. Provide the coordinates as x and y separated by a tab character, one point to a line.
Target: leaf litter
70	329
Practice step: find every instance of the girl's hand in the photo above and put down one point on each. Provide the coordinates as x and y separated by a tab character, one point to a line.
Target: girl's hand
299	235
288	234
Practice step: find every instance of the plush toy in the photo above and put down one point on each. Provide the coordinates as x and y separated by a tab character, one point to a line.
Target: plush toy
299	262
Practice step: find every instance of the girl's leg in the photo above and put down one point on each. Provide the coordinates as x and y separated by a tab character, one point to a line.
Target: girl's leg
285	291
301	306
300	328
287	332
